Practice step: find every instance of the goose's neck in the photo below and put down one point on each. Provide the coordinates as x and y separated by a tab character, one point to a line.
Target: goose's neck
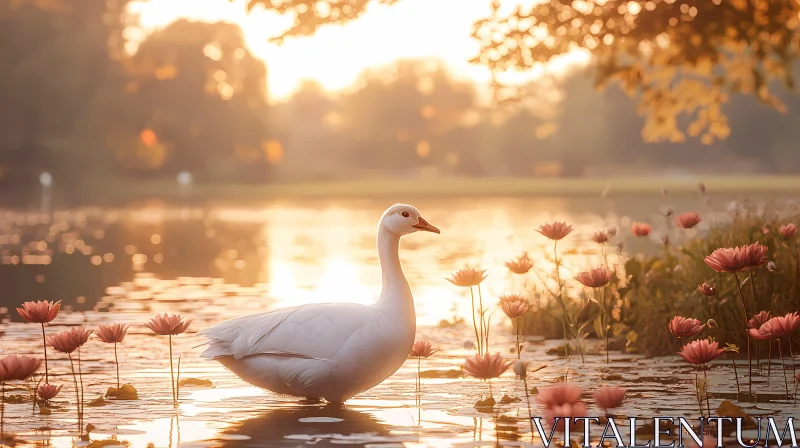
395	294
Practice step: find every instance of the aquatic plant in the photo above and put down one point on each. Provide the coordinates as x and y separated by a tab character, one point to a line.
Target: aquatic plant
707	290
47	392
113	334
521	265
69	341
600	237
598	279
681	327
486	367
556	231
14	368
609	397
421	349
688	220
169	325
469	278
699	353
559	401
41	312
788	231
641	229
515	307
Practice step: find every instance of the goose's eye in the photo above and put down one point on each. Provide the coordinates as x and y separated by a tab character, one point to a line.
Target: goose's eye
404	214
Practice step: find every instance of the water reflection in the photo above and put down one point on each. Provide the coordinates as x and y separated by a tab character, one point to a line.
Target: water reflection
301	252
317	425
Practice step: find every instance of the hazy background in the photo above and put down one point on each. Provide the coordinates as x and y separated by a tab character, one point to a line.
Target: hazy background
106	94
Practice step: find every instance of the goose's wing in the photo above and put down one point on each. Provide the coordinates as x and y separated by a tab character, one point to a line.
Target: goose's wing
316	331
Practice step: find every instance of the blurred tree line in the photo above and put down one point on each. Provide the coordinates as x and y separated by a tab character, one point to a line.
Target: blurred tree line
193	98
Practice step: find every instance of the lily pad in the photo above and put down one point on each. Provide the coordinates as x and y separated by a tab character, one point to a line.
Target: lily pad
507	400
45	411
125	392
106	442
484	403
195	382
97	402
728	409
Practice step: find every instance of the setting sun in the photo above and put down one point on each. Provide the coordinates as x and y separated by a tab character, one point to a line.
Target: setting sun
335	55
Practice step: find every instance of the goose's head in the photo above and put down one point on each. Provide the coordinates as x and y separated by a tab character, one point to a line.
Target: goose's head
403	219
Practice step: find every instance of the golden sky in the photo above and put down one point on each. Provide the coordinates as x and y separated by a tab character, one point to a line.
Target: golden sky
335	55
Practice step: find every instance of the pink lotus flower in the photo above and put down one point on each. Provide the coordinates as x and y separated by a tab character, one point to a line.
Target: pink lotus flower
521	265
788	231
514	306
40	312
707	290
700	352
595	278
468	277
762	333
421	349
688	220
555	230
600	237
783	326
113	333
735	259
168	325
641	229
487	366
759	319
564	411
681	327
609	397
47	391
559	394
14	367
69	340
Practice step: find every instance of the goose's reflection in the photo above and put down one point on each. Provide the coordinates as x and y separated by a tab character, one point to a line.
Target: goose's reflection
329	425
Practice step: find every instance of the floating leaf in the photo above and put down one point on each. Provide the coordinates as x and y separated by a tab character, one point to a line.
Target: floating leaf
452	373
196	382
728	409
125	392
97	402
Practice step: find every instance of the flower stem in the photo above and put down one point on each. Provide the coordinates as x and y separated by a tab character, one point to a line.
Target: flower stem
171	370
44	345
474	322
697	391
116	361
519	352
484	326
753	288
785	381
419	370
2	411
705	391
561	298
747	333
605	321
769	361
794	378
77	392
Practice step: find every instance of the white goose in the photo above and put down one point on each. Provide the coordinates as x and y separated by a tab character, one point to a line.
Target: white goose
333	350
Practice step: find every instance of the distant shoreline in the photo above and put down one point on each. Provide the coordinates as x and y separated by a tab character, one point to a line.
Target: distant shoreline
451	187
100	191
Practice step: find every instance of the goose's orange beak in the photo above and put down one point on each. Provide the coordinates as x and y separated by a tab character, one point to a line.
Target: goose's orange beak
424	225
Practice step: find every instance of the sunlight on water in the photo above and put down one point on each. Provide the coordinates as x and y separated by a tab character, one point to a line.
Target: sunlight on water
218	262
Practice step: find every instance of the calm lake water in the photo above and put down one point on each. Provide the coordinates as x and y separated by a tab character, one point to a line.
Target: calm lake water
220	261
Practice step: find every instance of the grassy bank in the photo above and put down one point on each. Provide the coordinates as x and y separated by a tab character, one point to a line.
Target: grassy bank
448	187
